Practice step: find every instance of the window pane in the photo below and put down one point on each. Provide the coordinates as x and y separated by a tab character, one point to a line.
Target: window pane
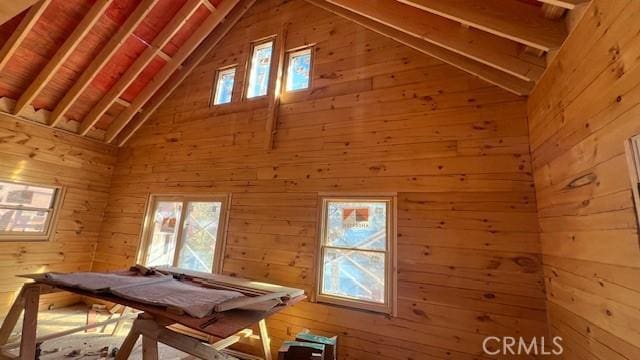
298	71
354	274
260	66
23	221
164	233
358	224
199	236
26	195
224	87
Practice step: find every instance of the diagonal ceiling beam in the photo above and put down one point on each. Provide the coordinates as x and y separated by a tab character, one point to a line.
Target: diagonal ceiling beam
18	35
567	4
167	33
163	75
489	49
62	54
9	9
207	46
101	59
514	20
487	73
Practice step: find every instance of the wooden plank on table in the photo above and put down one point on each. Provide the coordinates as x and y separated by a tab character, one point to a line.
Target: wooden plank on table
158	43
514	20
63	53
187	67
101	60
213	20
21	32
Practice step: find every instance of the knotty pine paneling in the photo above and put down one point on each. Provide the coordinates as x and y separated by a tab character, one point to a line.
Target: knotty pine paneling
33	153
379	117
580	114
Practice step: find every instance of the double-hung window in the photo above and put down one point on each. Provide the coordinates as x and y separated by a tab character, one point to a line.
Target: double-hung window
357	246
27	212
185	232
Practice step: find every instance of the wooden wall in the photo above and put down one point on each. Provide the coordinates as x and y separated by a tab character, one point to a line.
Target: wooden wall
380	117
32	153
581	113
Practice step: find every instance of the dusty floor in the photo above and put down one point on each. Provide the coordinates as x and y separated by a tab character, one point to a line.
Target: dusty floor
87	345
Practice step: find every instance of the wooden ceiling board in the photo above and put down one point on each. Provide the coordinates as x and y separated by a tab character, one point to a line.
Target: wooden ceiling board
187	29
143	79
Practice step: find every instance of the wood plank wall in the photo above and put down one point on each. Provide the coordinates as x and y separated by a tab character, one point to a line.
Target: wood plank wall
380	117
581	113
32	153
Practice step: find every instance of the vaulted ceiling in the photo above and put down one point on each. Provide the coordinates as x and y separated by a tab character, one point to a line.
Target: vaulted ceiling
99	68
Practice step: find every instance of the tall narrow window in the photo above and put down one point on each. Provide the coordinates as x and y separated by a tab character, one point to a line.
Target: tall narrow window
260	69
357	264
224	86
299	70
184	232
27	211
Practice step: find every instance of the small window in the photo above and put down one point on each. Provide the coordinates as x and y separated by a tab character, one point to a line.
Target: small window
184	232
224	86
299	70
260	69
633	155
357	263
27	212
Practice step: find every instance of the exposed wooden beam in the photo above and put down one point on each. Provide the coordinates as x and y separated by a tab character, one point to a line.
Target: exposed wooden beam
514	20
63	53
140	64
101	59
169	68
9	9
496	77
21	32
567	4
489	49
208	45
276	85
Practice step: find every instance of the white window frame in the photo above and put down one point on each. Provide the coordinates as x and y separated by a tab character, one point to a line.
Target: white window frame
633	162
53	210
257	44
147	231
216	84
389	306
291	54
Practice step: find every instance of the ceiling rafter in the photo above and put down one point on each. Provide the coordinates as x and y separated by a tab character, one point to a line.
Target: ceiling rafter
513	20
101	59
207	46
487	73
213	20
162	39
9	9
489	49
63	53
18	35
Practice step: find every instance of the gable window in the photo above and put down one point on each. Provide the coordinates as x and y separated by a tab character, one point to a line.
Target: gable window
184	232
357	243
260	69
299	70
224	86
27	212
633	156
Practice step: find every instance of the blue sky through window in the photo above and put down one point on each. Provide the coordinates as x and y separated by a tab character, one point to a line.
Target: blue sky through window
260	67
298	70
224	87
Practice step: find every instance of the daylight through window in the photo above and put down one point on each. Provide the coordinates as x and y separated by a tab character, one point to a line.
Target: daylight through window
224	86
26	211
184	232
298	70
260	69
356	247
